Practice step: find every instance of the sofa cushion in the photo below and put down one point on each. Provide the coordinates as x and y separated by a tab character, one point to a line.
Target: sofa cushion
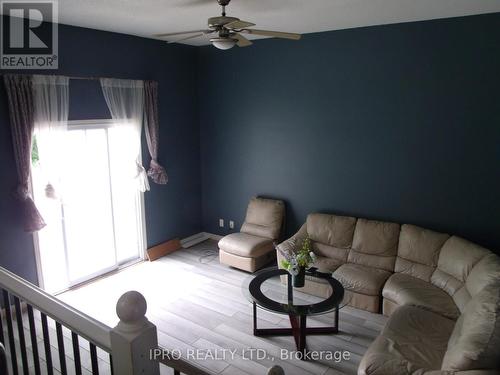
327	251
333	230
245	245
418	251
461	298
475	341
264	218
361	279
375	244
485	272
457	257
408	290
326	265
413	341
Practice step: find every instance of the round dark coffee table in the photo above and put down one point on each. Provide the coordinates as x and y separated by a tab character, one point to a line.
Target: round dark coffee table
267	291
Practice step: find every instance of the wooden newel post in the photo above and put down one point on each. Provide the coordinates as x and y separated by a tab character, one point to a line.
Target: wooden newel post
133	338
276	370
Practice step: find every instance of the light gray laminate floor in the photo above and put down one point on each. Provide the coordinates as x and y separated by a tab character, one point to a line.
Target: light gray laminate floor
196	302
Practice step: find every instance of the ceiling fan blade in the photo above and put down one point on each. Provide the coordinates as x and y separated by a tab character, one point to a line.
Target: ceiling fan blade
179	33
238	24
186	38
242	41
276	34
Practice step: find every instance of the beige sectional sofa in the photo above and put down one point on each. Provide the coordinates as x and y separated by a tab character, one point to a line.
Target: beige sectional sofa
442	293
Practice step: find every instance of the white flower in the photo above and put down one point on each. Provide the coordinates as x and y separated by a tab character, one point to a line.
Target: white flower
313	256
294	270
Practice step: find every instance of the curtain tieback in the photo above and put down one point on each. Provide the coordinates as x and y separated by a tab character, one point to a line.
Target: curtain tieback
157	173
22	193
34	221
50	191
142	176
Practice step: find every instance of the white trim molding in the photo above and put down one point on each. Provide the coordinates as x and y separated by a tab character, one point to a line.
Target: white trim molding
198	238
213	236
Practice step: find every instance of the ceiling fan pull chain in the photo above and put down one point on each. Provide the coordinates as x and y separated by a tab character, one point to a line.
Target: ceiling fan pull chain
223	11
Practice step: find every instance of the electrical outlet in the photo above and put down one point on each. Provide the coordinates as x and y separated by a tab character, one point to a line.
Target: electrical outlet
231	224
221	223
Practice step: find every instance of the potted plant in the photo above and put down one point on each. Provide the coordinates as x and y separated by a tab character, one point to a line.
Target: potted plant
296	262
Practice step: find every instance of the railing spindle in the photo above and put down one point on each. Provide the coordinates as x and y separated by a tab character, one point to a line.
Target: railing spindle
120	342
76	353
34	344
111	364
2	338
46	344
60	344
22	340
93	359
10	330
3	360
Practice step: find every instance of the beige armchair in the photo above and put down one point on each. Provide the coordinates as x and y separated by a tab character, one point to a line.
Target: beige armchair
253	247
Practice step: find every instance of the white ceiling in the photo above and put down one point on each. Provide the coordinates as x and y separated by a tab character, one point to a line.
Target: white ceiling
148	17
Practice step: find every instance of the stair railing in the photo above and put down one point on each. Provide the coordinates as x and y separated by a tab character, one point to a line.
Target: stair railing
39	332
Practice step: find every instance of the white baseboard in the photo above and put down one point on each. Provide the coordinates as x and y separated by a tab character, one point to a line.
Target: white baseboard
193	240
213	236
197	238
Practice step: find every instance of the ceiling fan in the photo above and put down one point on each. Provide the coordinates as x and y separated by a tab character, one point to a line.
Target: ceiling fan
228	31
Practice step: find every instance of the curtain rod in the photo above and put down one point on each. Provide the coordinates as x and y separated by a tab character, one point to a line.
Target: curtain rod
88	78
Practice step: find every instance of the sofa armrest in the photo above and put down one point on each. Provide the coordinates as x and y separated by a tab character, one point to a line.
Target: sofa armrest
289	245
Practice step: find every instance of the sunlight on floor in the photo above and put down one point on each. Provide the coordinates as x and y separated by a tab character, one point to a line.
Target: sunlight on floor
151	279
198	303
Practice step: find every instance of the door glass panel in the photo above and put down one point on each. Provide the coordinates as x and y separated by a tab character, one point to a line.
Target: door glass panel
87	204
125	197
95	224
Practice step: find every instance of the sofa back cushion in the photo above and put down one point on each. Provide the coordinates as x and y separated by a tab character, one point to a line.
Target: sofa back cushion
475	340
264	218
485	272
375	244
418	251
331	235
456	260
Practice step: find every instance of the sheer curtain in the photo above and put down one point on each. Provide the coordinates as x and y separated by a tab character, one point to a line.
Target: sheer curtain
51	105
125	100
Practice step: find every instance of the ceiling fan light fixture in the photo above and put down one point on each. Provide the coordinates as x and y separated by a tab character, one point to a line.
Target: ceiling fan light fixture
230	31
223	43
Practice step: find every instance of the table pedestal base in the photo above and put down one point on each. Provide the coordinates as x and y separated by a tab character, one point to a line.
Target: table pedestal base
298	329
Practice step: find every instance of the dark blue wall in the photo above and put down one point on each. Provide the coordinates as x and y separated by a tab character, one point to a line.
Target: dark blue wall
397	122
172	210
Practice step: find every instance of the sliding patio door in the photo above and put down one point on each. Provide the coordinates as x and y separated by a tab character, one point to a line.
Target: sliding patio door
95	223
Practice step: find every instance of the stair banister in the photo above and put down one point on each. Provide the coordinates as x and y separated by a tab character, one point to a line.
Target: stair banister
86	326
130	343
